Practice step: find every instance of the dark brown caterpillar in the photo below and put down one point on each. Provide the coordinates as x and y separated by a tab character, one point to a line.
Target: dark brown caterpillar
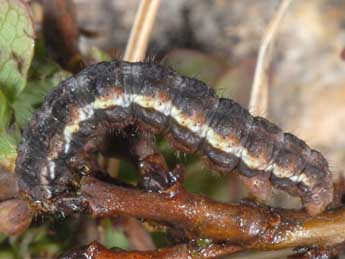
159	100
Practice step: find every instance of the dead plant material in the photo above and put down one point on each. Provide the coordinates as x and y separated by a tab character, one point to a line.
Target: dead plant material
259	96
61	33
15	216
141	30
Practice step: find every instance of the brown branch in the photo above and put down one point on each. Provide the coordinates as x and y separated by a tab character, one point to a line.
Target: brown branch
96	251
255	227
316	253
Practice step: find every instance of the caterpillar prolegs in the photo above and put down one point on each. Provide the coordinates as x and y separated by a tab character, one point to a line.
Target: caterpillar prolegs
161	101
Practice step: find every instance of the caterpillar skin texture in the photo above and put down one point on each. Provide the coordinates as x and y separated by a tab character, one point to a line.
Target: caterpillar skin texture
116	94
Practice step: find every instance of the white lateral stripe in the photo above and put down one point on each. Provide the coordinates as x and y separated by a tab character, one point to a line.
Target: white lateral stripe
201	130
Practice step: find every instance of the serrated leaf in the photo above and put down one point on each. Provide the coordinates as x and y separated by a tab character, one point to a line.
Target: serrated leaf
16	46
8	151
33	96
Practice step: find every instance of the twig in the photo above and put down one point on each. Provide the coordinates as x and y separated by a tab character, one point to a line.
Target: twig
252	226
259	95
96	251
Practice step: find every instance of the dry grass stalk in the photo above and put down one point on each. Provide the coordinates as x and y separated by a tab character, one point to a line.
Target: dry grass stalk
258	102
141	31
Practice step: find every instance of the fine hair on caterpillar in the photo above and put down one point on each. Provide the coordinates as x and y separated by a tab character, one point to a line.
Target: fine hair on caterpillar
158	100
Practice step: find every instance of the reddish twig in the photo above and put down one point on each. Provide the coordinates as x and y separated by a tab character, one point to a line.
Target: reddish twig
256	227
96	251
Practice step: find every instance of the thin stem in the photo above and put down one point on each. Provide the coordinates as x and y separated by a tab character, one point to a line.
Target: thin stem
141	31
259	95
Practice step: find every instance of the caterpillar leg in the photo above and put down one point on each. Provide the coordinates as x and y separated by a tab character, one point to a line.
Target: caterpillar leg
154	172
142	153
259	185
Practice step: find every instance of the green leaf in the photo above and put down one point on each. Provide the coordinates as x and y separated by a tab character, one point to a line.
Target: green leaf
160	239
199	179
5	113
203	242
6	254
8	151
2	237
44	75
33	95
114	238
16	46
99	55
42	65
49	249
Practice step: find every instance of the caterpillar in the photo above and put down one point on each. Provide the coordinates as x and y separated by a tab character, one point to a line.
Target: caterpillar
157	99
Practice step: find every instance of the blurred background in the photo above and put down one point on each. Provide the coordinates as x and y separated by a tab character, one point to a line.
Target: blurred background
216	41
